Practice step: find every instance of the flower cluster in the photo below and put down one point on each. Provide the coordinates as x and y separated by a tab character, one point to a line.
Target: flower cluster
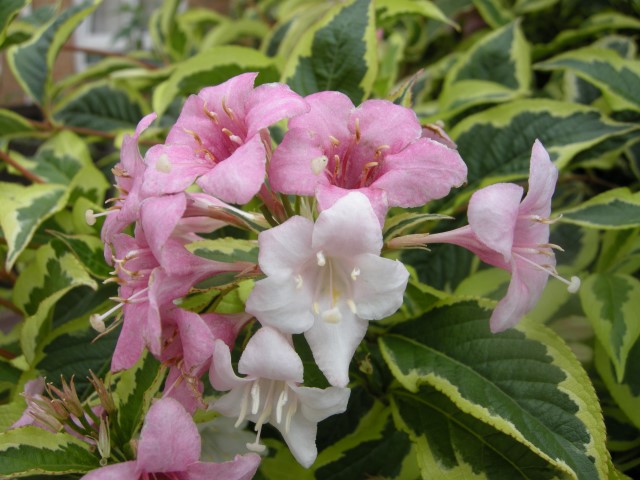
325	191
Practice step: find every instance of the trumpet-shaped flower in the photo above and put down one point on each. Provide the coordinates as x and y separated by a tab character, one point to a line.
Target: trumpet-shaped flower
514	236
377	149
271	392
327	280
169	447
218	139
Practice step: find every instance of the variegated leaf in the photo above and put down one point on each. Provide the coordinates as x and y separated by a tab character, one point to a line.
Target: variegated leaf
614	209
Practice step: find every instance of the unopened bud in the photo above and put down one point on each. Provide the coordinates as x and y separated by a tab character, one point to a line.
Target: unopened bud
104	440
106	399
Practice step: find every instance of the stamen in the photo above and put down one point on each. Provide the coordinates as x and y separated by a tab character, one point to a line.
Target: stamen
97	323
357	130
256	446
212	115
227	109
207	153
299	281
322	261
234	138
268	407
316	308
255	398
163	165
195	136
244	405
293	407
355	273
352	306
546	221
332	315
573	285
319	164
336	166
282	401
380	149
334	140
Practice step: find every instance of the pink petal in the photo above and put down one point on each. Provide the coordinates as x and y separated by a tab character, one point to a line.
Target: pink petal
159	217
270	103
425	170
130	343
348	228
527	283
236	93
286	247
333	345
243	467
270	355
172	168
187	394
493	213
379	289
169	440
117	471
328	195
383	123
542	183
238	178
197	339
291	169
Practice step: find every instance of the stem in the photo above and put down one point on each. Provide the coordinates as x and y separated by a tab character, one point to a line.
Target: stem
26	173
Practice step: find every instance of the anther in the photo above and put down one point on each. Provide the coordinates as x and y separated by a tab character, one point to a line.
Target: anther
319	164
282	401
334	140
234	138
332	315
163	164
546	221
355	273
195	136
322	261
352	306
299	281
227	109
91	217
212	115
255	398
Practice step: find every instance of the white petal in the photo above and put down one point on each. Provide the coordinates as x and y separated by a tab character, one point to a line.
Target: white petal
333	345
277	302
270	355
348	228
301	439
379	288
221	374
318	404
285	248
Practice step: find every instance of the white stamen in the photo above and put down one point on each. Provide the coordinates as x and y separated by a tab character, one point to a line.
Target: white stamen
332	315
322	261
548	221
293	407
256	447
97	323
352	306
316	308
235	139
282	401
572	286
299	281
319	164
90	217
355	273
243	406
163	165
255	398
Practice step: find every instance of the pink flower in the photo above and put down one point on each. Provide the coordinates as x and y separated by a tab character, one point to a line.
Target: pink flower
514	236
219	139
377	149
328	280
271	392
169	447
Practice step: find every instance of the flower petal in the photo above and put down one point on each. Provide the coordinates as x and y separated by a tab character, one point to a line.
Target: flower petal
285	248
375	117
117	471
242	467
318	404
380	286
277	302
171	168
328	117
270	355
221	374
350	227
423	171
239	177
270	103
333	345
159	217
301	439
542	183
328	195
169	440
493	213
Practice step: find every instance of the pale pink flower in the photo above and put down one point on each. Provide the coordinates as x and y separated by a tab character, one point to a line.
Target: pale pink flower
271	393
221	139
169	447
377	149
328	280
513	235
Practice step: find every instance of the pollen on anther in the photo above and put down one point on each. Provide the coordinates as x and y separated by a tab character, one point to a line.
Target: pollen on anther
89	217
355	273
163	165
318	164
322	261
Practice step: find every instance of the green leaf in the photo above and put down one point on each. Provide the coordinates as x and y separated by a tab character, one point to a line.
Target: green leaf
233	31
612	302
452	444
99	106
494	12
12	124
8	11
23	210
211	67
337	53
495	69
617	77
54	272
32	62
164	29
392	8
498	141
226	250
32	450
625	393
524	383
89	250
133	394
615	209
